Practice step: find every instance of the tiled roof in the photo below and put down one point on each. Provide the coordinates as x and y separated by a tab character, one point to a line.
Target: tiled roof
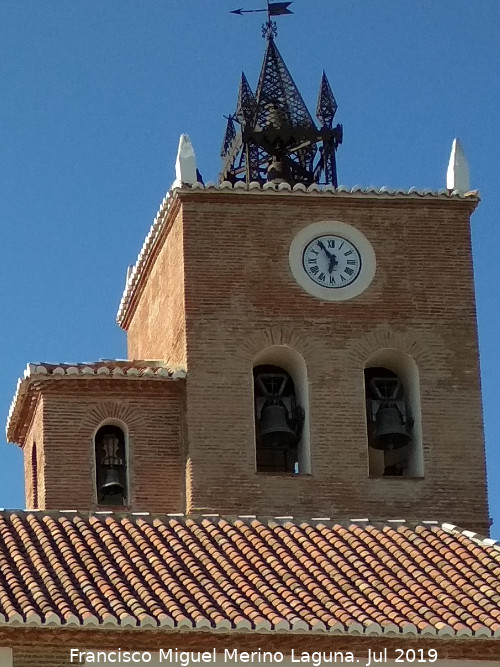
245	573
116	369
135	272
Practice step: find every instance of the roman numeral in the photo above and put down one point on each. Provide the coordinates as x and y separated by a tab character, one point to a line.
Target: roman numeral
342	278
340	246
312	260
349	252
322	277
349	271
314	270
332	280
351	261
331	243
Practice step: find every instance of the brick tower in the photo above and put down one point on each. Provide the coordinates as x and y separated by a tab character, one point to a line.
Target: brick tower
296	348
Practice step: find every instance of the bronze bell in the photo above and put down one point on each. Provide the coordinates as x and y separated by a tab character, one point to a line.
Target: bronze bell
390	431
273	429
276	171
111	485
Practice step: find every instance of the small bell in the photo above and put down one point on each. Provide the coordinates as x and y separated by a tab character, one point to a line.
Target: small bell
111	485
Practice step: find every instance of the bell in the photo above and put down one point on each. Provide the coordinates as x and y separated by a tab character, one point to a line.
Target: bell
111	485
276	171
273	429
390	432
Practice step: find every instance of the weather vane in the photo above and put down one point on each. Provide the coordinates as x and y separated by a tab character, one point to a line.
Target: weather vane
269	29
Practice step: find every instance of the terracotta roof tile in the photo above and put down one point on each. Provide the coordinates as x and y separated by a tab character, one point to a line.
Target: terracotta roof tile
211	572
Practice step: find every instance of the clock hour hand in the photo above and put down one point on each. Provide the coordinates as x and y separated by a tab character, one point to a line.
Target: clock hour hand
333	262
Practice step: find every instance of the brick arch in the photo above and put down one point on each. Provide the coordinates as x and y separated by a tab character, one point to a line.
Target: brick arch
289	349
414	356
278	335
411	343
105	410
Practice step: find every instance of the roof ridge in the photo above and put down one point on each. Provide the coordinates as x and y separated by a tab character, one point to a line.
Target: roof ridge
450	528
275	186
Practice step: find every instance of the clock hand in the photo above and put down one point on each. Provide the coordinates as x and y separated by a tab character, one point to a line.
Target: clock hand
327	252
333	262
322	246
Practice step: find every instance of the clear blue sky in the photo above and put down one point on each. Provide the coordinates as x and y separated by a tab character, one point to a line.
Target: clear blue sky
94	95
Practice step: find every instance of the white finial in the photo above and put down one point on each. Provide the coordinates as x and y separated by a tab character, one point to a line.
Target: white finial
457	176
185	167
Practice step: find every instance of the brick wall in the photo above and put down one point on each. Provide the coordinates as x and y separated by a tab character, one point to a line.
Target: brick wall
64	430
51	647
157	329
240	298
34	478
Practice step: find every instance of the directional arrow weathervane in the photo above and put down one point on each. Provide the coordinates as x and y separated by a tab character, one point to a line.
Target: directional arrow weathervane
273	9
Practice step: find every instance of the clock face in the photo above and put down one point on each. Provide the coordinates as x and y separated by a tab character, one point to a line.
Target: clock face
331	261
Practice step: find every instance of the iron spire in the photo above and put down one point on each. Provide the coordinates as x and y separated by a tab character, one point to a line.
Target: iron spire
278	140
327	105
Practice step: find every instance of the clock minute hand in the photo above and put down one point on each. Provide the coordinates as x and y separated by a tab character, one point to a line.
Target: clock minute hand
333	260
323	247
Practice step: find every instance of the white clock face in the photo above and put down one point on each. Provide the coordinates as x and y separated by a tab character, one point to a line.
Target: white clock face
331	261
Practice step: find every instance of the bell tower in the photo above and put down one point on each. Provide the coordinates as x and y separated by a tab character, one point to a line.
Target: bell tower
322	340
328	333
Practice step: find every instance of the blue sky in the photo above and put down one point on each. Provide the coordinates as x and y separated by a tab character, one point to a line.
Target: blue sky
94	96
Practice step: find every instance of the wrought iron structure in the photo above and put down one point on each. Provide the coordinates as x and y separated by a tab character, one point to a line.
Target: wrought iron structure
277	138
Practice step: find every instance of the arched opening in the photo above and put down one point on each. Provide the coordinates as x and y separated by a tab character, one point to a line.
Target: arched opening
281	412
394	430
111	465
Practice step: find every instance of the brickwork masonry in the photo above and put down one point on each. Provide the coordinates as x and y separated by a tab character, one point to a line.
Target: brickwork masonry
221	282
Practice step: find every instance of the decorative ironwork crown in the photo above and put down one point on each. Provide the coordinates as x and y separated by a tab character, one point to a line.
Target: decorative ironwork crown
278	139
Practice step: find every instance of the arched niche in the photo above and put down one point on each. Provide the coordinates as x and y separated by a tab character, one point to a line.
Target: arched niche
293	364
408	461
111	460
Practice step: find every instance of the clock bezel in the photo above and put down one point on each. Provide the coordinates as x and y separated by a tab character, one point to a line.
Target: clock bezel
335	228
